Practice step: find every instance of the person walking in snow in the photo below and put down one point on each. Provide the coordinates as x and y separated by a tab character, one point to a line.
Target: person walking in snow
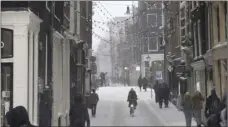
79	113
161	93
213	105
166	94
145	83
198	99
94	98
18	117
155	87
187	104
140	82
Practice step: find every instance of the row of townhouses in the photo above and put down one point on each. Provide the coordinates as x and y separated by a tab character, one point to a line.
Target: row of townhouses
196	46
45	57
137	48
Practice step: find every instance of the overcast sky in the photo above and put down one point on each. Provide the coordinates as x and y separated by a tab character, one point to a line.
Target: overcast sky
104	11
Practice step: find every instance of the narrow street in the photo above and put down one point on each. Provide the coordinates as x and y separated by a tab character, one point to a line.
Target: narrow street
112	110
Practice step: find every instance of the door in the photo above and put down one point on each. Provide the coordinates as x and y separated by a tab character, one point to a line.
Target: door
7	88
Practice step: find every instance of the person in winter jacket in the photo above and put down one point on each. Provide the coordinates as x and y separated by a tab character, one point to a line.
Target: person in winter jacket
18	117
94	98
155	87
198	99
166	94
145	83
132	98
187	108
213	105
79	113
140	82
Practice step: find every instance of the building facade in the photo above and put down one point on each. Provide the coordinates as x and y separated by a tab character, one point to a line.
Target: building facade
149	37
38	59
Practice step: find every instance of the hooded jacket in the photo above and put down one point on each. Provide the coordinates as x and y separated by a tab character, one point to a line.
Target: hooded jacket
18	117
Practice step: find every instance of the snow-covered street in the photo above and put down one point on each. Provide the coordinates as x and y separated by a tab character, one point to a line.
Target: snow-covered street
112	109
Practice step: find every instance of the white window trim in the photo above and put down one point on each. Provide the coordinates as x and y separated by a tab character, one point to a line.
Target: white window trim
148	38
199	37
50	11
156	18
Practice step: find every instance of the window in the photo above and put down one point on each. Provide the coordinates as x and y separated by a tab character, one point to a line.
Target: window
182	22
225	13
152	19
183	32
147	64
182	12
194	4
152	44
190	5
199	37
6	43
218	23
195	39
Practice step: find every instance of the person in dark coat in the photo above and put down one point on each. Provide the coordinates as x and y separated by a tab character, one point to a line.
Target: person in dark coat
145	83
155	87
79	113
166	94
94	98
132	98
214	121
161	95
18	117
140	82
213	105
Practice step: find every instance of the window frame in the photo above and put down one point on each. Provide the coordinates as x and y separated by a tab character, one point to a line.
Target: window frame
147	15
148	44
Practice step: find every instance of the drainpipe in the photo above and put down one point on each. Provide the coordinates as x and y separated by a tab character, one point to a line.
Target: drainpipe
0	86
163	39
227	60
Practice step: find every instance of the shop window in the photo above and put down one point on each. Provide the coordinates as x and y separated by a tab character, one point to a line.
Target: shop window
6	43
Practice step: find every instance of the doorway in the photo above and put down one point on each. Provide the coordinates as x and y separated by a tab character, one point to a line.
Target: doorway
6	89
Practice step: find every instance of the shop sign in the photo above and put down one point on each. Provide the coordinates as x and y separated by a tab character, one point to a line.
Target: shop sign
158	75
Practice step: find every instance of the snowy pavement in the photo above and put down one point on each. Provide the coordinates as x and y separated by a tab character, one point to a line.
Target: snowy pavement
112	110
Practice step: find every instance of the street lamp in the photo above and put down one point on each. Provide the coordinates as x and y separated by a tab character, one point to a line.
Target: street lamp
125	68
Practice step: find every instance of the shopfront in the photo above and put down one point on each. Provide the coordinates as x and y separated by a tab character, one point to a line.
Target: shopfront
19	44
6	71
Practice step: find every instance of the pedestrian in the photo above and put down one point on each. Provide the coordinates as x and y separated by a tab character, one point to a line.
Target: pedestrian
213	105
145	83
161	94
166	94
18	117
94	98
79	113
140	82
197	99
155	87
187	104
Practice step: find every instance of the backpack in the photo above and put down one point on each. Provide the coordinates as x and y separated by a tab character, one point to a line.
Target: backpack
215	106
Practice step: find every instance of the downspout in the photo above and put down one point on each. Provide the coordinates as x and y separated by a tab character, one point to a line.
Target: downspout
227	61
1	122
